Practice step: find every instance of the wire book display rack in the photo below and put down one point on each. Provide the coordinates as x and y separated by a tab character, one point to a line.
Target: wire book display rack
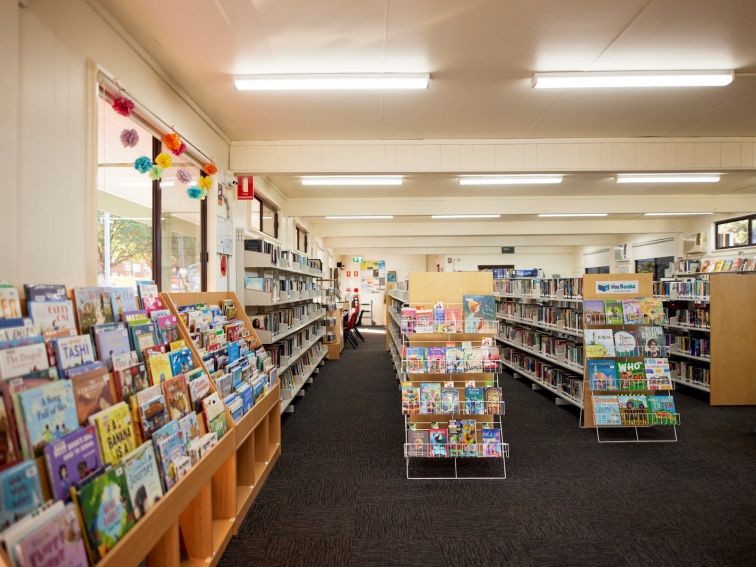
627	386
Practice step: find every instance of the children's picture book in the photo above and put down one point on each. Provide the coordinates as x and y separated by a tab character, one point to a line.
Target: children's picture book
424	321
48	413
449	400
181	361
112	342
415	359
614	312
130	380
142	337
469	437
143	479
652	341
430	396
436	360
93	306
45	292
167	329
438	440
21	360
490	353
215	416
599	343
56	541
408	320
93	391
657	374
176	397
455	438
455	359
652	310
148	296
20	492
478	312
491	442
199	388
593	312
661	410
418	441
115	431
73	351
438	317
189	427
453	319
626	343
122	299
602	375
631	375
153	413
410	398
494	403
71	460
159	365
631	312
633	409
106	511
168	449
606	410
52	316
474	400
10	306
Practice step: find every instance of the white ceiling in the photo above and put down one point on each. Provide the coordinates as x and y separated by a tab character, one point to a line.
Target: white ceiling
480	53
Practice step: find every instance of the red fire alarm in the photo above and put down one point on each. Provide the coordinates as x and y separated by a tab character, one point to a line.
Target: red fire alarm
245	189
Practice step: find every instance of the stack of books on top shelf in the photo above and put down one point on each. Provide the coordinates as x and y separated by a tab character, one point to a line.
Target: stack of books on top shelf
103	391
461	438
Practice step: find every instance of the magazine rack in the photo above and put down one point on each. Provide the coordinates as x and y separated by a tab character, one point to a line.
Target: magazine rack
638	422
425	289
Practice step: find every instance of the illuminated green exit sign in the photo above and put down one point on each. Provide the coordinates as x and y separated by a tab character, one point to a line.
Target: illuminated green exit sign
357	259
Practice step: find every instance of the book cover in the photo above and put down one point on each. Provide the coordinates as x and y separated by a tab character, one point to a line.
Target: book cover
57	542
438	439
408	320
93	306
652	341
20	492
115	431
449	400
167	327
9	449
661	410
633	409
48	413
215	416
494	400
418	441
93	392
652	310
438	317
424	321
410	398
631	312
455	359
159	365
112	342
181	361
176	397
593	312
455	438
224	384
21	360
10	306
415	359
490	353
199	388
52	316
105	510
657	374
168	449
153	413
148	296
436	360
189	428
430	395
474	400
142	479
469	437
602	375
626	343
45	292
631	375
72	459
130	380
73	351
613	311
599	343
491	442
453	320
477	311
606	410
473	358
142	338
122	299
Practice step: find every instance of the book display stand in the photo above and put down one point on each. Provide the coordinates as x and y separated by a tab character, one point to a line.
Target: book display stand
451	399
627	385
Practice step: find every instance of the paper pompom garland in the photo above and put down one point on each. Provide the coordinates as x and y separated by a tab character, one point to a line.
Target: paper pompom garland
184	176
194	192
210	168
156	172
174	143
205	182
163	160
123	106
143	164
180	150
203	193
129	137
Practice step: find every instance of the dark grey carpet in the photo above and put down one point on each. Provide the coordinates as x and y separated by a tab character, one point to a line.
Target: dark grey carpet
339	496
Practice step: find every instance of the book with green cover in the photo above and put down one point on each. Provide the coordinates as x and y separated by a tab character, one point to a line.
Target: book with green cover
614	312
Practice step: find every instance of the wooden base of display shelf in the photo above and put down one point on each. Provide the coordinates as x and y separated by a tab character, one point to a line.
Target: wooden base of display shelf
334	350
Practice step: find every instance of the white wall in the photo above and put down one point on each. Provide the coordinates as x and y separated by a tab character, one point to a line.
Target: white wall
551	259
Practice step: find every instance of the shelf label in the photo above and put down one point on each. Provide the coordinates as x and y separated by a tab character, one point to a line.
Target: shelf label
610	287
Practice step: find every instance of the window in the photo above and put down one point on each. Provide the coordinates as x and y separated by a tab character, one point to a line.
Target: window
655	266
597	270
263	217
302	240
736	233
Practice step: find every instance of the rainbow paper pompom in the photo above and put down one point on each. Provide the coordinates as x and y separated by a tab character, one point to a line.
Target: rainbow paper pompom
123	106
129	137
184	176
210	168
156	172
194	192
205	182
163	160
143	164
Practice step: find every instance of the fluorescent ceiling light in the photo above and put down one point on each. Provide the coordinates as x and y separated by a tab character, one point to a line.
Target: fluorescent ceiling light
360	217
667	177
340	81
546	215
510	179
465	216
631	79
352	180
674	214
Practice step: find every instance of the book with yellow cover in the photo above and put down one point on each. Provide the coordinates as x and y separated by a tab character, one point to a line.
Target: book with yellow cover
115	431
160	368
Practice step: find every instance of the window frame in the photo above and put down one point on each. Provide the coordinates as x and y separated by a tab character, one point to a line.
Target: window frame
302	232
751	225
265	203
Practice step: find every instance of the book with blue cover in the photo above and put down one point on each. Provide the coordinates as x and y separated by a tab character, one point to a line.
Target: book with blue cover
491	442
48	413
438	438
477	311
602	374
474	403
122	299
181	361
606	410
430	396
20	492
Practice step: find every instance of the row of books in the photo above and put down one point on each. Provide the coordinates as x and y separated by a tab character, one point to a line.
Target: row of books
296	372
545	343
290	345
476	314
694	346
619	312
283	286
283	258
453	358
555	316
461	438
547	288
736	264
646	375
563	380
685	289
698	317
690	372
433	398
284	318
635	409
641	341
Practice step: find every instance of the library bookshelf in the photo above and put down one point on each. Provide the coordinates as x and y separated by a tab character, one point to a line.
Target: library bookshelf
334	320
395	299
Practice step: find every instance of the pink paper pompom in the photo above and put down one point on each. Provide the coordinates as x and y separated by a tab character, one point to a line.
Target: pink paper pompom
179	150
123	106
184	176
129	137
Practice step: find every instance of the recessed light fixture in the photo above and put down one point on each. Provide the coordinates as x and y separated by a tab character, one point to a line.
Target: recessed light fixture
674	214
631	79
465	216
547	215
510	179
352	180
332	81
668	177
360	217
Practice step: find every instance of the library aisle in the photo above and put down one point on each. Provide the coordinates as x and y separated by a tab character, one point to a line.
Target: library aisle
339	495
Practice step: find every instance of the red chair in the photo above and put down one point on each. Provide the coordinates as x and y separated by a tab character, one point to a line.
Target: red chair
349	329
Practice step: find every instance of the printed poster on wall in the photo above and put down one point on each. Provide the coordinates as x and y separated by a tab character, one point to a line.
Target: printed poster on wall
373	275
